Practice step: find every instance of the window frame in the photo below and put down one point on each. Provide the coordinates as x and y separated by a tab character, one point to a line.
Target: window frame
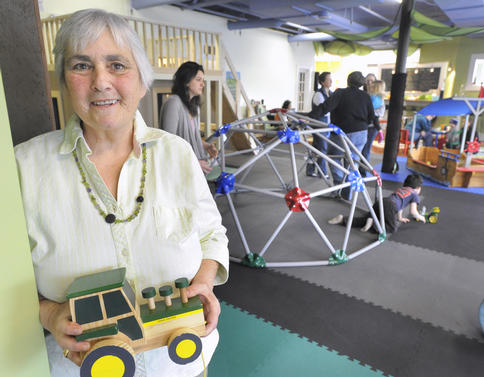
472	66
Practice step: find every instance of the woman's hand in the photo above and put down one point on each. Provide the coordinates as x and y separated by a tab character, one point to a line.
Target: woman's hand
205	165
202	285
56	318
211	306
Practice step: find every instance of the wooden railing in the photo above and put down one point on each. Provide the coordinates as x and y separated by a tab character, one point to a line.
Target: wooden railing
239	89
167	46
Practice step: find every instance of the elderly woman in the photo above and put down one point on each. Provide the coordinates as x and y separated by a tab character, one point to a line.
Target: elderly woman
108	192
180	114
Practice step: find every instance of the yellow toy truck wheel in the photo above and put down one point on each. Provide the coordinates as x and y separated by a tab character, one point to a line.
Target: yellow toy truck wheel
109	358
184	346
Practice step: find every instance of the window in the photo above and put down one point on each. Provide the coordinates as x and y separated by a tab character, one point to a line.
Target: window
301	88
475	77
88	310
115	304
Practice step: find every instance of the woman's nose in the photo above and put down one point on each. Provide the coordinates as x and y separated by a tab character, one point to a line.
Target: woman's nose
101	80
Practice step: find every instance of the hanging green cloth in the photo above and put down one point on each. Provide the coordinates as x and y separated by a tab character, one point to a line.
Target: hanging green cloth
340	48
357	37
318	48
421	36
437	28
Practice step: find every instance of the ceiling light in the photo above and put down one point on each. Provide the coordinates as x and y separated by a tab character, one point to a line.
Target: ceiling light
416	71
432	70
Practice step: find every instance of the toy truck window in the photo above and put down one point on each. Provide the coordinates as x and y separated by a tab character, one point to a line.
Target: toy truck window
88	309
128	291
115	304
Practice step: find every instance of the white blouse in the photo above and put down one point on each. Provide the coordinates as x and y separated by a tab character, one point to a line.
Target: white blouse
177	227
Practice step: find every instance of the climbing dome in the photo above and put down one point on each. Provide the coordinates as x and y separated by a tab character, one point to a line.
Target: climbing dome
292	129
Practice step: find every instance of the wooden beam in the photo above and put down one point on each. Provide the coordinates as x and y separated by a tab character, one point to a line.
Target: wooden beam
24	70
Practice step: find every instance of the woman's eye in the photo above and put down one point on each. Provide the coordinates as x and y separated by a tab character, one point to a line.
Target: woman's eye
81	67
118	67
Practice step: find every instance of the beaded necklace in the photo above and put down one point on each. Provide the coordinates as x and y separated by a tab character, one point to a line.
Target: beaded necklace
110	217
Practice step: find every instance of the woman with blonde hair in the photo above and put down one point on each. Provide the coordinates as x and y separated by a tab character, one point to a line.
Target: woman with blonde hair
376	90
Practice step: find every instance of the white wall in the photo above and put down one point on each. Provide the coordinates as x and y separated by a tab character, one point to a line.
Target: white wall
59	7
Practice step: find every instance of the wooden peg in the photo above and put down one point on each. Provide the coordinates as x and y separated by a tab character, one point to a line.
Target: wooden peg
149	293
182	284
166	291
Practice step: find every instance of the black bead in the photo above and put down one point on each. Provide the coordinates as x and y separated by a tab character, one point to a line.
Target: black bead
110	218
140	199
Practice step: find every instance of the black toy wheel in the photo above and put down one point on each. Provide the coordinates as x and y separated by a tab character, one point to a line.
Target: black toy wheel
185	348
109	358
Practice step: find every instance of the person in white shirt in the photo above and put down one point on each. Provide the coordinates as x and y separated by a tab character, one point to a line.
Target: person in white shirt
320	144
109	192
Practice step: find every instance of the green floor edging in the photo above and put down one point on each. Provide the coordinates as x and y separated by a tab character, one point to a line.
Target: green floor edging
251	347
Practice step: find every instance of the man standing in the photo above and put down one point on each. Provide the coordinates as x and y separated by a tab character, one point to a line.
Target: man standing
352	111
319	97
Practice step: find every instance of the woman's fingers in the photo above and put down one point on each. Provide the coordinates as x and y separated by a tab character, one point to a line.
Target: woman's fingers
211	305
65	331
75	357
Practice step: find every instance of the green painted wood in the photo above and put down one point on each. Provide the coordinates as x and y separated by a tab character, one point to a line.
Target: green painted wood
181	283
108	330
130	327
177	307
166	290
22	346
97	282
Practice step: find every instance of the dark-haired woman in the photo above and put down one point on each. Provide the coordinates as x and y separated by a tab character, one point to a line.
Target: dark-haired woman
180	114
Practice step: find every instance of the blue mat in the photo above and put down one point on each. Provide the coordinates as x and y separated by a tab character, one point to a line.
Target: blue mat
252	347
403	172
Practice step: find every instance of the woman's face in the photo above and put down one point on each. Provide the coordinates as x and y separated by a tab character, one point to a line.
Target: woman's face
370	79
104	85
196	85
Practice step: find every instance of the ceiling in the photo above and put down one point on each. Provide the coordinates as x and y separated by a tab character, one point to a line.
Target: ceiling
301	19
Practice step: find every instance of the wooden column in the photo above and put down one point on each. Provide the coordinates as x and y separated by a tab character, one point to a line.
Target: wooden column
219	108
208	108
24	70
395	111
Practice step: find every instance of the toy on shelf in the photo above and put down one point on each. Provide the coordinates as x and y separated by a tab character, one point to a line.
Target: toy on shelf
105	305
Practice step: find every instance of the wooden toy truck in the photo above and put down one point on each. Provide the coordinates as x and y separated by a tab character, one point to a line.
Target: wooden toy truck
105	305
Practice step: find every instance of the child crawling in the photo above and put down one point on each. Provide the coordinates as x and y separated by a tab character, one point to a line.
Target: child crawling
393	207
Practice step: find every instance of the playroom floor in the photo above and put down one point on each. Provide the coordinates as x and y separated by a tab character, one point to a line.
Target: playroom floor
407	308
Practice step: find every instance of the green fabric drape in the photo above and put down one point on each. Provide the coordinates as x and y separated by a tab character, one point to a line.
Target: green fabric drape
318	48
343	48
421	36
357	37
437	28
423	30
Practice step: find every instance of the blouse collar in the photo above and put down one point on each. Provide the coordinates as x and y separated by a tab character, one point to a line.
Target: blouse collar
73	133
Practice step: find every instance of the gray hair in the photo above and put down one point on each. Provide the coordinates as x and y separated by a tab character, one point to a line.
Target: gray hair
86	26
